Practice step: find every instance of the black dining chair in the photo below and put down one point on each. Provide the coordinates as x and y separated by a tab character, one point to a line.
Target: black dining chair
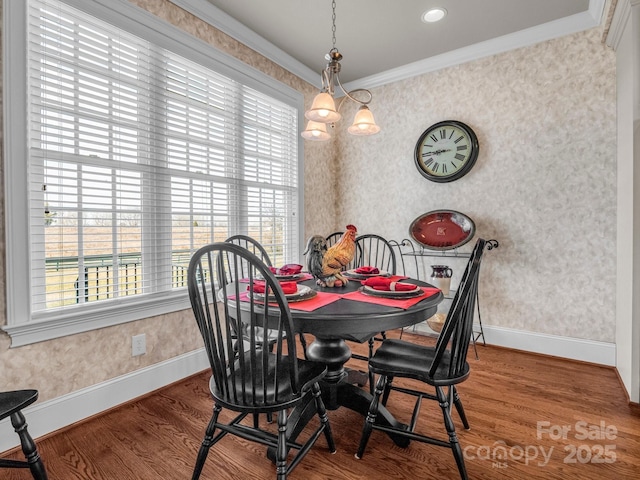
374	251
333	238
255	247
442	366
252	380
11	405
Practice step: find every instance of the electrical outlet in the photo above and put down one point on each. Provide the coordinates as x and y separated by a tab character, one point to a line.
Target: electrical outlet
138	345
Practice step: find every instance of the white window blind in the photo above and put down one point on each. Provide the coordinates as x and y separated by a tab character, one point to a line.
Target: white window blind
137	157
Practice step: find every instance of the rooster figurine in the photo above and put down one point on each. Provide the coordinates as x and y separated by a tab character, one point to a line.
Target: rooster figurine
326	264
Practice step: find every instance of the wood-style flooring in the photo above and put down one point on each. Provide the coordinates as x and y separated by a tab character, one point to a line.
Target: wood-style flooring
531	416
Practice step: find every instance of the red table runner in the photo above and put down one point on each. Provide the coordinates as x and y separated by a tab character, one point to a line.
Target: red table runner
403	303
317	301
320	300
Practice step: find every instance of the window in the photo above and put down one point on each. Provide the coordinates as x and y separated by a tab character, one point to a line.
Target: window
139	151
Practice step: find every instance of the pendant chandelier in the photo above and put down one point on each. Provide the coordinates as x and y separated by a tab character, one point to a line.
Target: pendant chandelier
323	111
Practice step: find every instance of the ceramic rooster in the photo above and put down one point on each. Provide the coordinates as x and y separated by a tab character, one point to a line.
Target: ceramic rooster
326	264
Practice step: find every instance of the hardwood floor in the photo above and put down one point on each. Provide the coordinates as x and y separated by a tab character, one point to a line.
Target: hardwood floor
532	417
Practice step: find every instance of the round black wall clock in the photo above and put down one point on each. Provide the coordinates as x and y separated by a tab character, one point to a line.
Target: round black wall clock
446	151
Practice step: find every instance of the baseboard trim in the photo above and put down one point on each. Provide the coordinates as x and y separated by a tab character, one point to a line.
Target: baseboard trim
591	351
47	417
601	353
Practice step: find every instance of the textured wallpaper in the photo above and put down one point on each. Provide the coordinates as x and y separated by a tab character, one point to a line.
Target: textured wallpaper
60	366
544	184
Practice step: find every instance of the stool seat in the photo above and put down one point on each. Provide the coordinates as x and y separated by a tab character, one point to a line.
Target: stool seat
11	405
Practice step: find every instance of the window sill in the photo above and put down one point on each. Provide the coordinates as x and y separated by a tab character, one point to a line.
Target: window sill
73	321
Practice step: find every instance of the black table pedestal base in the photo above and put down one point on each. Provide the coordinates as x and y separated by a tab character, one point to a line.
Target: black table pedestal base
339	389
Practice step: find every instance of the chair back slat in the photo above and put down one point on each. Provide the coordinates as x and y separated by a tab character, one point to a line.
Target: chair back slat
456	332
333	238
242	371
375	251
253	245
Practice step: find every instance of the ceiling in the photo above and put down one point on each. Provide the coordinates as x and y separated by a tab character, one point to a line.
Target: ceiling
383	40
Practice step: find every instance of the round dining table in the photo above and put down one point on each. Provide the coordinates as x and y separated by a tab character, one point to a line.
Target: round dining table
347	319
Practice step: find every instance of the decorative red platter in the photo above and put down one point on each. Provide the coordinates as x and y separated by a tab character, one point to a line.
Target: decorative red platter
442	229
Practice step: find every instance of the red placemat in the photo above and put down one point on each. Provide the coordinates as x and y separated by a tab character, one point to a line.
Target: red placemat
317	301
320	300
403	303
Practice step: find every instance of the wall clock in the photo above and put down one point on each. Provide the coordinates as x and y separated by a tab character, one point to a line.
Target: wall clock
446	151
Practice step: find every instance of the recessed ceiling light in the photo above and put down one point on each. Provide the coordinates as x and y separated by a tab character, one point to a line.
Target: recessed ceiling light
434	15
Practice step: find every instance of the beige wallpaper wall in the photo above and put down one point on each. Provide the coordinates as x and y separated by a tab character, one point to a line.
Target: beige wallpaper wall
61	366
544	184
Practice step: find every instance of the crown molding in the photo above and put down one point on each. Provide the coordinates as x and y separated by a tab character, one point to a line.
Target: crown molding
236	30
548	31
558	28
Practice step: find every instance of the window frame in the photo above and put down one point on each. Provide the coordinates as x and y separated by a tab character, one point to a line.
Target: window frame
21	324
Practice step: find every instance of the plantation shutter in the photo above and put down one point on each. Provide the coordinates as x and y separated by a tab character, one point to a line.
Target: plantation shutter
137	157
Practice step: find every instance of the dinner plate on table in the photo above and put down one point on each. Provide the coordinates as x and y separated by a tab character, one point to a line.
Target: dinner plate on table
303	293
417	292
363	276
295	276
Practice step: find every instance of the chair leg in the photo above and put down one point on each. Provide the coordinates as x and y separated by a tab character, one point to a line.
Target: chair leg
387	391
282	450
371	416
28	447
372	378
458	403
207	442
303	343
445	405
324	418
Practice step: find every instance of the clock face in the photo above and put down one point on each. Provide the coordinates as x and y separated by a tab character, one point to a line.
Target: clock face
446	151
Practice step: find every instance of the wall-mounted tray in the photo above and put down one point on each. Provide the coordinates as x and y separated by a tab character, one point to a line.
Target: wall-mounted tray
442	229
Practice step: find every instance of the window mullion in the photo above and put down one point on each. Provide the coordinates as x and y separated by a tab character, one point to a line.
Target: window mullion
129	121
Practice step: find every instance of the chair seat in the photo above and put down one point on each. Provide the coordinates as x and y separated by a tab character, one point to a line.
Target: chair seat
397	358
11	405
308	373
14	401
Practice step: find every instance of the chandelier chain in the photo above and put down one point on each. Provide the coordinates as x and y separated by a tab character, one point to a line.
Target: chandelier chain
323	111
333	18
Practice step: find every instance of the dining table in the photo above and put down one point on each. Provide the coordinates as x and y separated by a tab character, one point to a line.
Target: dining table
337	315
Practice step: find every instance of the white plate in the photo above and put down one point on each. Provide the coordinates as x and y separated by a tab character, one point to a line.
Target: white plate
295	276
417	292
360	276
303	293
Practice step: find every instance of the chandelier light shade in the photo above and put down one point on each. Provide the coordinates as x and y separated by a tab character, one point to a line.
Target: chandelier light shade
363	123
323	110
316	132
